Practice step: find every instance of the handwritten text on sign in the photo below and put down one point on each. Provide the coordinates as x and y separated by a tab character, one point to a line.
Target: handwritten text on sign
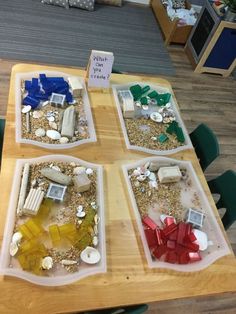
100	68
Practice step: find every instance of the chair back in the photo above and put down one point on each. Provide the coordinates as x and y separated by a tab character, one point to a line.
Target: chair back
205	144
2	127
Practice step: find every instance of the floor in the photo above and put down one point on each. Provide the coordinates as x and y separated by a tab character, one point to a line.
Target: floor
202	98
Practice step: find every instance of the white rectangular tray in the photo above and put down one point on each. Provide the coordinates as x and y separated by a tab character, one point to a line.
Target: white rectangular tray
18	104
85	270
160	89
219	246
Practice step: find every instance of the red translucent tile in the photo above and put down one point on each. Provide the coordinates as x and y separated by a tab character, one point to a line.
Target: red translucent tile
190	237
150	237
169	221
173	235
171	244
184	257
194	257
169	229
158	236
149	222
171	257
191	246
181	232
159	251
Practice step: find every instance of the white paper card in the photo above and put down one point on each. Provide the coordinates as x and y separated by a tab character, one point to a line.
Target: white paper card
100	68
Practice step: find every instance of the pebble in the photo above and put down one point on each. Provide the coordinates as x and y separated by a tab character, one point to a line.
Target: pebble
90	255
45	103
168	105
89	171
80	208
54	135
53	125
34	183
80	221
95	229
96	219
26	109
47	262
94	205
153	184
64	140
37	114
40	132
79	170
72	164
141	178
136	172
145	107
136	184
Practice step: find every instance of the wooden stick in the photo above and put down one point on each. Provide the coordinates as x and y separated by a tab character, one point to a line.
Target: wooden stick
24	182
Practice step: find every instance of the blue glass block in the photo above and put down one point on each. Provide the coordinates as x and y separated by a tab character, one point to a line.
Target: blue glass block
35	82
28	85
40	96
56	79
69	97
33	102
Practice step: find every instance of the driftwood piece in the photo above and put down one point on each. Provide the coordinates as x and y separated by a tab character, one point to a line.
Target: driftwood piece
22	195
68	123
56	176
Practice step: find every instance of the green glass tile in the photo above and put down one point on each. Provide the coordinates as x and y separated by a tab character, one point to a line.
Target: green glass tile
162	138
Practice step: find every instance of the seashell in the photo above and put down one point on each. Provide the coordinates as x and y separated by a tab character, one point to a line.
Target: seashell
163	217
168	105
96	219
73	139
154	138
89	171
56	168
47	263
68	262
51	118
13	248
152	176
147	173
156	116
95	229
153	184
45	103
90	255
37	114
80	208
54	135
81	214
145	107
202	240
53	125
138	103
26	109
64	140
16	238
95	240
136	172
94	205
79	170
80	221
141	178
72	164
40	132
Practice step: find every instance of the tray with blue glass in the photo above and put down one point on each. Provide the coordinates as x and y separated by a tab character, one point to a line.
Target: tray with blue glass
52	110
150	119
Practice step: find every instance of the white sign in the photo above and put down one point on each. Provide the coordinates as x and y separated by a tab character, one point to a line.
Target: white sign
100	68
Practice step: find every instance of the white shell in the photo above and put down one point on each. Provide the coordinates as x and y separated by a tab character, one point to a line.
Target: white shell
95	240
136	172
51	119
72	164
90	255
168	105
152	176
47	262
95	229
145	107
80	208
54	135
26	109
156	116
153	184
94	205
163	217
53	125
64	140
81	214
13	248
68	262
141	178
96	219
80	222
202	240
89	171
37	114
16	238
34	183
79	170
45	103
40	132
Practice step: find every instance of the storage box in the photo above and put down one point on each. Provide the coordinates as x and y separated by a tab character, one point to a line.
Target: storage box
172	32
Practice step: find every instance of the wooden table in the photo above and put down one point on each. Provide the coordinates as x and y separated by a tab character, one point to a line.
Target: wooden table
128	279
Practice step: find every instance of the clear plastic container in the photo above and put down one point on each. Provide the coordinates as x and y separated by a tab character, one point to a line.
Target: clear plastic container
54	280
217	247
159	89
18	106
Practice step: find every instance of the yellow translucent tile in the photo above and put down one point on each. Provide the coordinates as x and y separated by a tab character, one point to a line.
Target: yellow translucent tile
35	229
54	234
44	211
25	232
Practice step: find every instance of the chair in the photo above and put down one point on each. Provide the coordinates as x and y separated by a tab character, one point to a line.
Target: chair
135	309
206	145
225	185
2	126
